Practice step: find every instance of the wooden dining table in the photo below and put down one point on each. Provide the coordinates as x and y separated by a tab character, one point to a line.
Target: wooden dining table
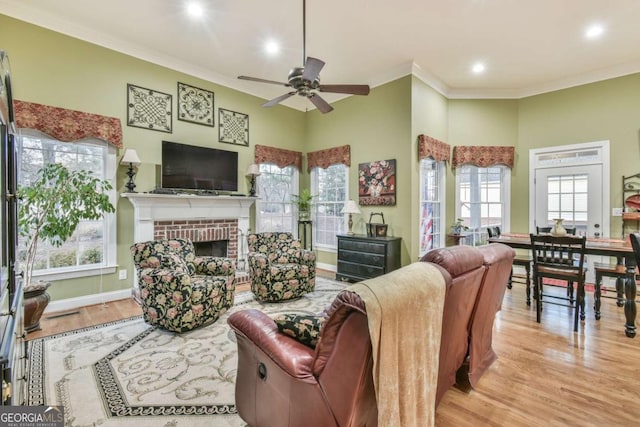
596	246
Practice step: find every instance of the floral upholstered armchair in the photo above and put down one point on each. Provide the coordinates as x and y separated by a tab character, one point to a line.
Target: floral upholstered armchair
179	290
279	268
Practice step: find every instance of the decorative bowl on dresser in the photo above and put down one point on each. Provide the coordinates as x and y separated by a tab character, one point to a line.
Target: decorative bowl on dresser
361	257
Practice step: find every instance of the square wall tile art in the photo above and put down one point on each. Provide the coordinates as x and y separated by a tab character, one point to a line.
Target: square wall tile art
233	127
195	105
148	109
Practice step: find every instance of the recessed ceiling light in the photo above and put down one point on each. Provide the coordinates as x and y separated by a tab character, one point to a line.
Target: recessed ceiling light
594	31
194	9
478	68
272	47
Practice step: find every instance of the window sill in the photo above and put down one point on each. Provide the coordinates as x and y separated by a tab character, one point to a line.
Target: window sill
74	273
326	248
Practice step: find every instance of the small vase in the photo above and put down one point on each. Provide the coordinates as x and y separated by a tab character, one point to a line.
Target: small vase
558	229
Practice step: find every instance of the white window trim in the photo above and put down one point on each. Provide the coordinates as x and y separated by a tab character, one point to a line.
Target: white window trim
295	188
322	246
442	174
110	253
505	196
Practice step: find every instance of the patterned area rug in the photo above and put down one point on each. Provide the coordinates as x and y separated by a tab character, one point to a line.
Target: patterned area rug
127	373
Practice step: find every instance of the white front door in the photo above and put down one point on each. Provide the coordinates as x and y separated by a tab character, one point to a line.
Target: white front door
573	193
572	182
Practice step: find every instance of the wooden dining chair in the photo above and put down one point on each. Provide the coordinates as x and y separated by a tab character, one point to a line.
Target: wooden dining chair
520	260
570	231
561	258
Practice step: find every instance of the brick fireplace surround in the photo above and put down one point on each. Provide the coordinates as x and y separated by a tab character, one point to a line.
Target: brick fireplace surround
199	218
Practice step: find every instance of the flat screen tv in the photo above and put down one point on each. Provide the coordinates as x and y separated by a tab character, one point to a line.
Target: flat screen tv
198	168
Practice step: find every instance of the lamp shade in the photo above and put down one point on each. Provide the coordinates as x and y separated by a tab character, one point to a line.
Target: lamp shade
253	170
350	207
130	156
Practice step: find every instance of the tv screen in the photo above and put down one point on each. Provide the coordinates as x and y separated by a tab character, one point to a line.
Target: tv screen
198	168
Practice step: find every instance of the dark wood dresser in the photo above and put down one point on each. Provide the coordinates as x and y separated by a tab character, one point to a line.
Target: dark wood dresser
361	257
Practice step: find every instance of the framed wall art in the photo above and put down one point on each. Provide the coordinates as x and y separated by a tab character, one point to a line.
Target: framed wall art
149	109
377	183
195	105
233	127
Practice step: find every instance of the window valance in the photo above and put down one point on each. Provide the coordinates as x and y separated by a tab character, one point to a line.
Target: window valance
331	156
434	148
67	125
483	156
278	156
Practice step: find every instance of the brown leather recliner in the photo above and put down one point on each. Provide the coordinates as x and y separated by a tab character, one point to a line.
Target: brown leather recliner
498	260
281	382
465	266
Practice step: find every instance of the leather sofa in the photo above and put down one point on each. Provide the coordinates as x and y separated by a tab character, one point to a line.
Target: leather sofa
283	382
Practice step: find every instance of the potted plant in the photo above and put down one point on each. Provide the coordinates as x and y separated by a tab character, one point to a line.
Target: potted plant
49	210
458	226
303	201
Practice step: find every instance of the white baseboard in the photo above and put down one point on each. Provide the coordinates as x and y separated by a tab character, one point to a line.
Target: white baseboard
328	267
77	302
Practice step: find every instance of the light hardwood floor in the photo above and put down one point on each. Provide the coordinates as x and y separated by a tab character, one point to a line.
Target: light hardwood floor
545	374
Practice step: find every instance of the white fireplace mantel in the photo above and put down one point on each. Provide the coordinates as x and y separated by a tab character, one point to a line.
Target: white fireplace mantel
164	207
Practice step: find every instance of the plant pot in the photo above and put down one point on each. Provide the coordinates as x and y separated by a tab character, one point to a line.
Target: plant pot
36	299
304	215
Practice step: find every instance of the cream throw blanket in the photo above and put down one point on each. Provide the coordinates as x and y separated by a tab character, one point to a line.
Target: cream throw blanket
404	311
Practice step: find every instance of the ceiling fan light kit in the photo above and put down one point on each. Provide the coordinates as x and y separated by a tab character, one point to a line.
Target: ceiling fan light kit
305	80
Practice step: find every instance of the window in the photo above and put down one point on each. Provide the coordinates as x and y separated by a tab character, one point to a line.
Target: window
432	193
274	210
93	245
482	200
330	186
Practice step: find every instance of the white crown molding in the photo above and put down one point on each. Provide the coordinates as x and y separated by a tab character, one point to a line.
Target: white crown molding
26	12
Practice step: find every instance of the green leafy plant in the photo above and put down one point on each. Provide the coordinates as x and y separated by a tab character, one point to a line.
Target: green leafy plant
458	226
303	200
51	208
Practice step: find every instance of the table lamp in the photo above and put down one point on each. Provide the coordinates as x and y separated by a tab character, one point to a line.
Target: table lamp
252	171
131	158
350	207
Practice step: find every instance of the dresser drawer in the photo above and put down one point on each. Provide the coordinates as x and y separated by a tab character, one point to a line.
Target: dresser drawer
359	270
373	259
360	246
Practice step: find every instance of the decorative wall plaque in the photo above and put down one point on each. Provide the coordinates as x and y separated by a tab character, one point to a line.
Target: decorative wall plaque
148	109
195	105
233	127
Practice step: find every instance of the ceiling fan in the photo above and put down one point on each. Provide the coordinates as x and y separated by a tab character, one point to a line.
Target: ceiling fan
305	80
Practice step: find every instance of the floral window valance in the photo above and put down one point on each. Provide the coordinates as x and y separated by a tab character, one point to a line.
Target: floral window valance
67	125
278	156
483	156
331	156
434	148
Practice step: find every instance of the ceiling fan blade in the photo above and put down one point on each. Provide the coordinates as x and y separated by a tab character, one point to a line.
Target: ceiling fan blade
256	79
312	68
278	100
349	89
320	103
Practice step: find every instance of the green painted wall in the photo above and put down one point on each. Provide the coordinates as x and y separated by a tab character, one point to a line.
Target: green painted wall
378	127
607	110
51	68
485	122
54	69
429	116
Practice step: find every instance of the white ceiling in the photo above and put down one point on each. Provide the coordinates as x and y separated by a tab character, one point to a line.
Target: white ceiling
528	47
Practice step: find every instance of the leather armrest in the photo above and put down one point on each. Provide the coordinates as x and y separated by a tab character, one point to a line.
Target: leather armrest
293	357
